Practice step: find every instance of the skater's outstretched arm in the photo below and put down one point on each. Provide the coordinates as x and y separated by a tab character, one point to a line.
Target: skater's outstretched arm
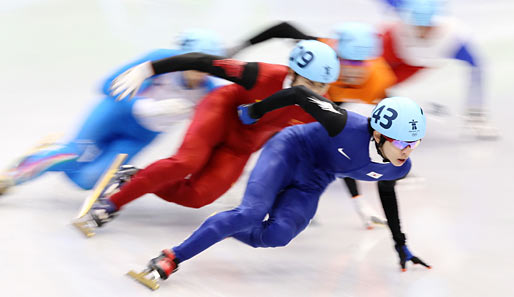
151	56
388	198
239	72
331	117
281	30
387	195
128	83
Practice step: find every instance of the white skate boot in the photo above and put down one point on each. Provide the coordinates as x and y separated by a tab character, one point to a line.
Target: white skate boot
476	121
6	182
367	215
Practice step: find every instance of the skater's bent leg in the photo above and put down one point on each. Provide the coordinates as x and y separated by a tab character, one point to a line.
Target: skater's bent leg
87	176
271	174
35	165
221	172
256	203
219	227
290	215
204	133
160	173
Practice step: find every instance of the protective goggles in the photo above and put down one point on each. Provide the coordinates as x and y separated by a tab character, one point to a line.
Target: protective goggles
403	144
354	63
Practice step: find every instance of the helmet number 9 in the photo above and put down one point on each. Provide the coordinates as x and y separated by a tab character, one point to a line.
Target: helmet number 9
388	117
303	57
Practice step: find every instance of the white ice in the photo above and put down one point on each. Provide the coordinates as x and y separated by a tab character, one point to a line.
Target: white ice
457	217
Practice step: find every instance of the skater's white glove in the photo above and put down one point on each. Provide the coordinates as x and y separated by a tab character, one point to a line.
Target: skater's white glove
128	83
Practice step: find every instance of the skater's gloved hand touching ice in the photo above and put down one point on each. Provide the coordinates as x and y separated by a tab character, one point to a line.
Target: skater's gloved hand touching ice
406	256
128	83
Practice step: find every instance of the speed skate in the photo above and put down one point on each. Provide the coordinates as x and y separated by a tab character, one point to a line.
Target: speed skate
148	277
84	222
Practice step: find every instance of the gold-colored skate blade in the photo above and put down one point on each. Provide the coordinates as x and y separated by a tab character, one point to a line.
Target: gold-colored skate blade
151	283
84	228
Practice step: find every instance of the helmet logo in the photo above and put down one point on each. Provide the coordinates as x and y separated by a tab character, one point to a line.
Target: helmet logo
413	123
327	70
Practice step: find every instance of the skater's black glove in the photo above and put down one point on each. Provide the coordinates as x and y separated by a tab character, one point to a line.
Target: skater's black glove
406	256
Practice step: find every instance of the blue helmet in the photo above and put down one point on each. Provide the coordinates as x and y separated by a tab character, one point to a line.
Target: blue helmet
357	41
201	41
399	118
419	12
315	61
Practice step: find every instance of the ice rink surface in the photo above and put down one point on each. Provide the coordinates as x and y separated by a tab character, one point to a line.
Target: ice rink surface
457	213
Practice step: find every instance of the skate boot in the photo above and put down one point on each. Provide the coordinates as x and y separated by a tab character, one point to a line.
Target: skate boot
102	210
476	121
6	182
437	110
368	217
123	175
158	268
30	164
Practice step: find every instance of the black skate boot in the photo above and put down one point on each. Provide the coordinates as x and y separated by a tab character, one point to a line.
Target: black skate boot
103	212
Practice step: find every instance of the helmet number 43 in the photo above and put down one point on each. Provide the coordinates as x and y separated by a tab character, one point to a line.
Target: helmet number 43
388	117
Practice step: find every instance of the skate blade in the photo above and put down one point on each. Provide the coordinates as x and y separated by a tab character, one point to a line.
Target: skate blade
141	278
84	228
101	185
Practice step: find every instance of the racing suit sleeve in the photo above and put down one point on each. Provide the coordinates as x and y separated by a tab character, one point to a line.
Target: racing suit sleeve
239	72
328	114
388	198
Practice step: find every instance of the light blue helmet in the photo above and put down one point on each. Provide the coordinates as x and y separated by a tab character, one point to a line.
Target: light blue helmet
419	12
201	41
357	41
315	61
399	118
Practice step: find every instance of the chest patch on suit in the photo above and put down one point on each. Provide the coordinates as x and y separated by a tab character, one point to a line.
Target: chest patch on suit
373	174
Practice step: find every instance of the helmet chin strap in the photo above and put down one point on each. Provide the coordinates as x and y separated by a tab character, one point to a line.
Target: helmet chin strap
294	77
380	144
379	147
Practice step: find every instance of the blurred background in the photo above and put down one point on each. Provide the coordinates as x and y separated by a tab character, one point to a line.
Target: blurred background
456	212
